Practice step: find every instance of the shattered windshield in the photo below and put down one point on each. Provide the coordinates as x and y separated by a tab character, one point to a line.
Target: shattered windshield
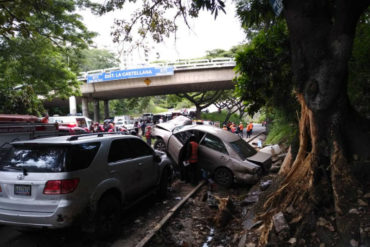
243	149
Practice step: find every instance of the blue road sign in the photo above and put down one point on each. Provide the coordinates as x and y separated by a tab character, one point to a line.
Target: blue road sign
131	73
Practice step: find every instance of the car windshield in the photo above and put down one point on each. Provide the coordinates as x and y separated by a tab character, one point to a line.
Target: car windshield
46	158
243	149
178	128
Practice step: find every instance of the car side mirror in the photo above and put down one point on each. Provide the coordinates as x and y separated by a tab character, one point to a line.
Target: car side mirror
157	158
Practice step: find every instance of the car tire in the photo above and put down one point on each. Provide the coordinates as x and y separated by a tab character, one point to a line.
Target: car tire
223	177
159	145
164	183
108	216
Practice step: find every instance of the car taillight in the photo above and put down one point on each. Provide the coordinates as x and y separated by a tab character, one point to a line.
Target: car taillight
56	187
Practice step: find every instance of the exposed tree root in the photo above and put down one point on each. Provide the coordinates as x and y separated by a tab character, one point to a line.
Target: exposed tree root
296	186
287	163
319	191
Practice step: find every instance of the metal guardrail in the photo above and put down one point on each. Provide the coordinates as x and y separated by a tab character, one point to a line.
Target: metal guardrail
177	65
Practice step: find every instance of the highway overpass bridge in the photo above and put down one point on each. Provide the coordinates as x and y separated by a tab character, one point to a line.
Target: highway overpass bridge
153	79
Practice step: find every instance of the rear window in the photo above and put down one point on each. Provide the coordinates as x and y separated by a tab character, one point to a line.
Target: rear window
42	158
81	122
243	149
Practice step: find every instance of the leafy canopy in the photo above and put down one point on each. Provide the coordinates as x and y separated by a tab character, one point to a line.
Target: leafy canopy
263	67
38	43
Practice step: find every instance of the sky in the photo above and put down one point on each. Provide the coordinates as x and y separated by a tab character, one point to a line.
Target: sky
206	33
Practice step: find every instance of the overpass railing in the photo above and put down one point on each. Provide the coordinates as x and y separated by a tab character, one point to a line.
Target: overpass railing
177	65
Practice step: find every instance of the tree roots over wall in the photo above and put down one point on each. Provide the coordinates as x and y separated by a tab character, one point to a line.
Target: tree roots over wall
319	197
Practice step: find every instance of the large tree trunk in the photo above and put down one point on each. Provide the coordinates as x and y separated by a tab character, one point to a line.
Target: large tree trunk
323	185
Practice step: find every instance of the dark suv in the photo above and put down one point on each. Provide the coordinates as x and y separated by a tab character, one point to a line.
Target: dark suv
54	182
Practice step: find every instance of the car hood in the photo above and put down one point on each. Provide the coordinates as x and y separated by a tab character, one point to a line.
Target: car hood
178	121
259	157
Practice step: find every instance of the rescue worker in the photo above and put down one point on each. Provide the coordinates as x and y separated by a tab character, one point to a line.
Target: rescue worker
249	129
241	128
45	119
111	127
192	169
233	128
148	135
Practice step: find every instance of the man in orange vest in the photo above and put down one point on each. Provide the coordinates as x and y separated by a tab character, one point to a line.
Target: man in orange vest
241	127
192	170
249	129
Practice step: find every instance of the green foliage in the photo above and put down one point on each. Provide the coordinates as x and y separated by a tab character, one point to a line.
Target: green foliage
136	106
21	101
359	72
264	71
36	41
281	131
220	117
255	15
55	20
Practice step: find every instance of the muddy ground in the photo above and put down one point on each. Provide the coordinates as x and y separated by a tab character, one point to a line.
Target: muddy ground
200	222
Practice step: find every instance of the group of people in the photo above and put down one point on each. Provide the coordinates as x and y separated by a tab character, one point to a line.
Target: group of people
232	127
106	127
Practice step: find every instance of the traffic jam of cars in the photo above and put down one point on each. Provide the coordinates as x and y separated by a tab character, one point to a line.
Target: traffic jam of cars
63	178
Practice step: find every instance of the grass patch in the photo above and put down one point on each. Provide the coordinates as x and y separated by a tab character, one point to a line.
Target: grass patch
281	132
220	116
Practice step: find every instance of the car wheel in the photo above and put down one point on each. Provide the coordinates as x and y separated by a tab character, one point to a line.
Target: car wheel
224	177
108	216
160	145
164	183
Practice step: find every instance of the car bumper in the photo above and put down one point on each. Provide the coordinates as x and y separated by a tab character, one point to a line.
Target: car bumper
62	217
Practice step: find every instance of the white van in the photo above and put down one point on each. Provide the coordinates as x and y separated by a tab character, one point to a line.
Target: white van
124	121
72	121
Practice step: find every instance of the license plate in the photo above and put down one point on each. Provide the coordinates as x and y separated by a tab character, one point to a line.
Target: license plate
22	189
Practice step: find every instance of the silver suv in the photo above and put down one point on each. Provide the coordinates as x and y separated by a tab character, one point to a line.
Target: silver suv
55	182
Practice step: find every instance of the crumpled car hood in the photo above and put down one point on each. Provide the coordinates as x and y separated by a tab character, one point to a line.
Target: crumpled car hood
178	121
259	157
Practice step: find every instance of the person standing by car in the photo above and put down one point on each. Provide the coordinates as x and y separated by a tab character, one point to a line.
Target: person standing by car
148	135
249	129
192	169
136	126
143	126
45	119
241	128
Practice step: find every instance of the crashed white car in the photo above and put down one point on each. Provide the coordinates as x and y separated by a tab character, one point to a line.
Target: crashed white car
226	156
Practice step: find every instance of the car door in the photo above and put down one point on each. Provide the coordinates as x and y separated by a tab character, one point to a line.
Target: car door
123	167
176	143
212	153
147	170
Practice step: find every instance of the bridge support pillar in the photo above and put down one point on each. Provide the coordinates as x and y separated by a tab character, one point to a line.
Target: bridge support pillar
96	110
85	109
72	105
106	108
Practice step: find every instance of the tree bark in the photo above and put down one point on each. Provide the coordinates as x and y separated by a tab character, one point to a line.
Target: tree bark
322	181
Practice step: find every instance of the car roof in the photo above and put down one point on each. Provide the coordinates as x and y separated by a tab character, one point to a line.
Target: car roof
224	135
75	139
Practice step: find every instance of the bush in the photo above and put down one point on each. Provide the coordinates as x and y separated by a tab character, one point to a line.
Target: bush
281	131
216	116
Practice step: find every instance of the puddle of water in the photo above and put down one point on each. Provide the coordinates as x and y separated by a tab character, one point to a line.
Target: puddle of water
209	238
